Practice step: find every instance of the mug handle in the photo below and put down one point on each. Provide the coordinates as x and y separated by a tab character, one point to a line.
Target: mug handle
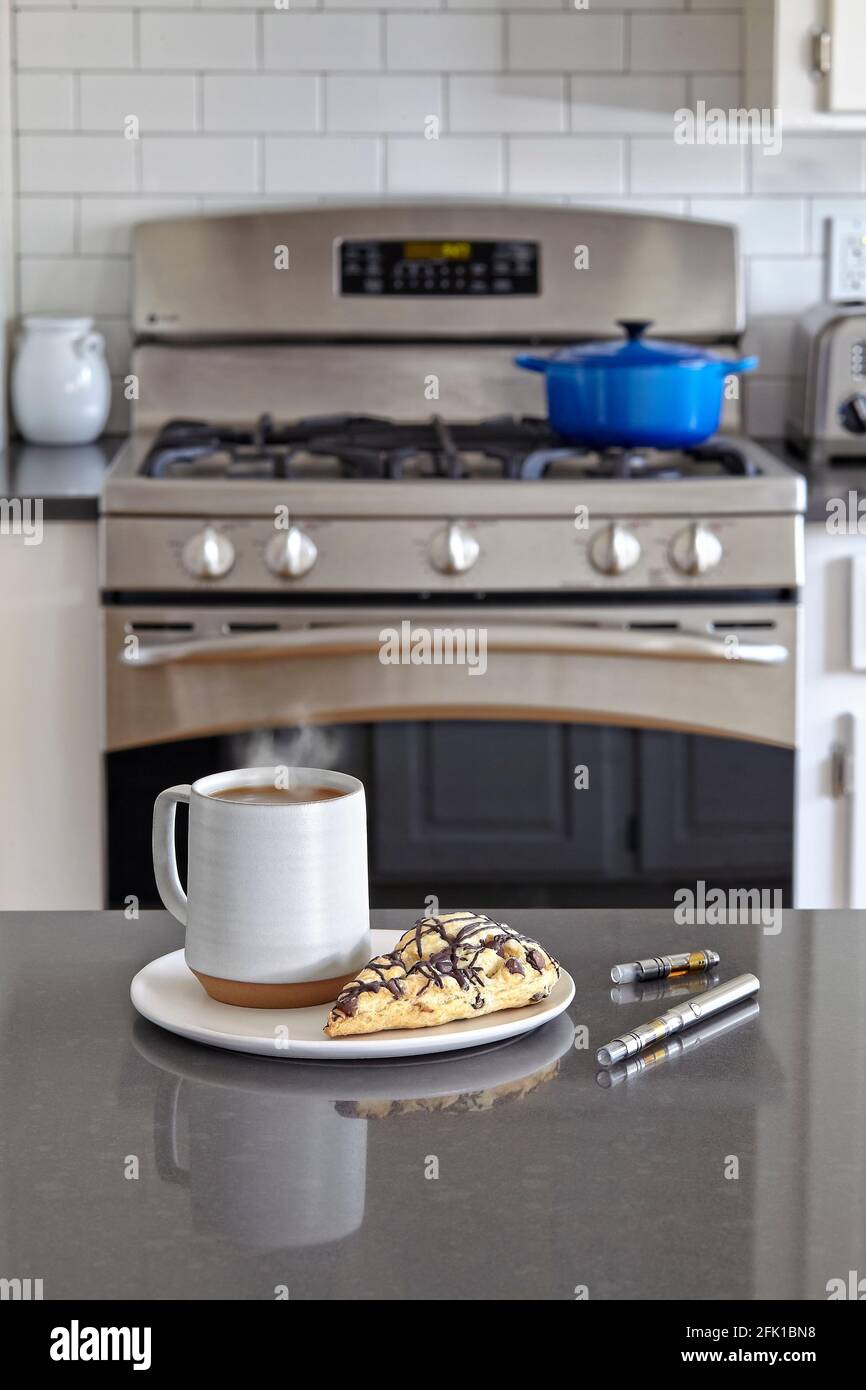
164	857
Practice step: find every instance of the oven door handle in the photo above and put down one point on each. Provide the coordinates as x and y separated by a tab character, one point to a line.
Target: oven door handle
603	640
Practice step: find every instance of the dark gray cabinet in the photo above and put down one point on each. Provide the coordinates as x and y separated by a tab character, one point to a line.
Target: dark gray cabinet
496	802
499	800
712	805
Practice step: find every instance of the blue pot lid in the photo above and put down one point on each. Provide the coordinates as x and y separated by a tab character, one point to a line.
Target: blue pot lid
634	352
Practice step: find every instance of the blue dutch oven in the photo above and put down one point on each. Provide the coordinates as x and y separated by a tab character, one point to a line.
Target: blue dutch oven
635	394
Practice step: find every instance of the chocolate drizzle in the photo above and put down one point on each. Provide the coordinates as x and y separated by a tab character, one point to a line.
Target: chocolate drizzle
456	959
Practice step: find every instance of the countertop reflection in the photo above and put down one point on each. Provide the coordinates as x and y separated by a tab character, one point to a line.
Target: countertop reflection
139	1165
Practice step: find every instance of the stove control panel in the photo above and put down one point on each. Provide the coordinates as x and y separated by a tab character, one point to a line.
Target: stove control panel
460	554
438	268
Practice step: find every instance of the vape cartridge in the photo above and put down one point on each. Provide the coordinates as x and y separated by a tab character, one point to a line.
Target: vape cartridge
659	967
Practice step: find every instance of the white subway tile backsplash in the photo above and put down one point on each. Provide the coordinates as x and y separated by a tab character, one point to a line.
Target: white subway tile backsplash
76	164
242	104
118	344
259	102
197	42
159	101
767	225
661	166
387	103
507	103
572	165
810	164
74	39
322	164
321	41
765	407
626	103
665	207
575	42
772	340
73	285
208	164
448	42
45	101
719	91
685	43
46	226
783	285
462	166
105	224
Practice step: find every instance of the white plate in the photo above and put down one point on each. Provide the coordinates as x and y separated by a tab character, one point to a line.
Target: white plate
167	993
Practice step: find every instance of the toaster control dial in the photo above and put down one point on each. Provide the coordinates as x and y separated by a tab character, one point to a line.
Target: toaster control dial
454	549
696	550
291	554
853	414
615	550
209	554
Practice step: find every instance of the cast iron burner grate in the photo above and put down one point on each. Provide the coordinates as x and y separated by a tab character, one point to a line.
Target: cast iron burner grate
365	446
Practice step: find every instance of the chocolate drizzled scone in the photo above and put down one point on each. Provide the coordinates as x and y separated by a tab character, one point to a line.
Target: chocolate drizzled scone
458	965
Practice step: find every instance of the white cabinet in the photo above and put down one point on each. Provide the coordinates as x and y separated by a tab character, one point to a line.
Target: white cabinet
50	734
807	58
830	836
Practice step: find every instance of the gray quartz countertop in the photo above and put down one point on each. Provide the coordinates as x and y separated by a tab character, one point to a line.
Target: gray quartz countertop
139	1165
66	478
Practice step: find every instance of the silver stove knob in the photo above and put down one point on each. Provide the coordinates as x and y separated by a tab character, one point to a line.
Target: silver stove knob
696	549
615	550
454	549
209	554
291	554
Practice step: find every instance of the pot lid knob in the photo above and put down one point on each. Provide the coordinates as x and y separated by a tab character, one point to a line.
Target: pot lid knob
635	328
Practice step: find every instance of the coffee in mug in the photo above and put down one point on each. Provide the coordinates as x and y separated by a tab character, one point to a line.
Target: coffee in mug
276	908
278	796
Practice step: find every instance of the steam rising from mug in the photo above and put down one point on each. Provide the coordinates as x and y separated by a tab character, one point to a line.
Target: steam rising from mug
307	745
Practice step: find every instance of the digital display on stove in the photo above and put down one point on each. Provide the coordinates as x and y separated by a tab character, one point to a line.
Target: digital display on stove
439	268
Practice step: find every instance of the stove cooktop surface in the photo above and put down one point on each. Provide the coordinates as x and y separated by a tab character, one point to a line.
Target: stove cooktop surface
367	447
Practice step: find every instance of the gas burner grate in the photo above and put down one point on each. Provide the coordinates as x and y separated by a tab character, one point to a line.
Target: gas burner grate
367	447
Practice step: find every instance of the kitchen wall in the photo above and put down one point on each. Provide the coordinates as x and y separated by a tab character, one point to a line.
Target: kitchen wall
237	102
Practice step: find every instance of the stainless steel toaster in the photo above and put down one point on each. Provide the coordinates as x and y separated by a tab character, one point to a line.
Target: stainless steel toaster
826	416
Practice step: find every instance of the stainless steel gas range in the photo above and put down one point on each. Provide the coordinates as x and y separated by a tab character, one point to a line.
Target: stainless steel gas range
335	461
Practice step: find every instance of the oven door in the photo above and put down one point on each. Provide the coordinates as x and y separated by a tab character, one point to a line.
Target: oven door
181	672
574	756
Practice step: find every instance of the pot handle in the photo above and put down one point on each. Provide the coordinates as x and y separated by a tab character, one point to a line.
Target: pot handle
532	364
743	364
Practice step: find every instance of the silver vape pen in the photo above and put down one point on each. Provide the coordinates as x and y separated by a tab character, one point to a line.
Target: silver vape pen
679	1046
677	1018
659	967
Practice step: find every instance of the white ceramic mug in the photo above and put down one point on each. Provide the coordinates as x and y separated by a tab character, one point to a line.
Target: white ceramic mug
276	909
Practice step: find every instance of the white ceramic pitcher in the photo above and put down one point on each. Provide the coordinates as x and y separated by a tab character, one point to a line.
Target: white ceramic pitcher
61	389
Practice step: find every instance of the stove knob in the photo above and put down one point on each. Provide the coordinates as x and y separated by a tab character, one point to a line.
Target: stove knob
615	550
291	554
853	414
696	550
208	554
454	549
